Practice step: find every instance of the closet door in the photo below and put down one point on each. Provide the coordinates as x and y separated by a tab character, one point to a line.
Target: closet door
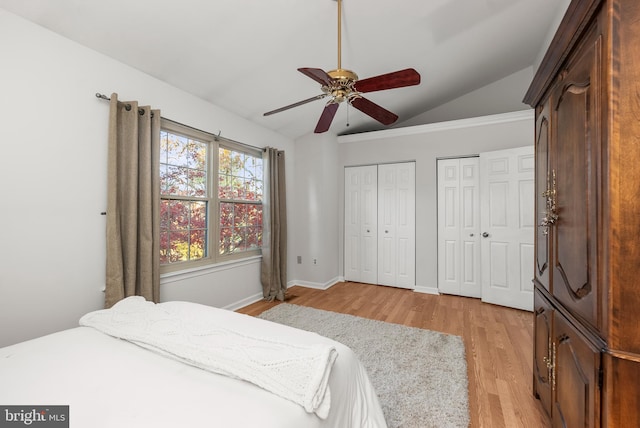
508	226
459	227
396	225
360	224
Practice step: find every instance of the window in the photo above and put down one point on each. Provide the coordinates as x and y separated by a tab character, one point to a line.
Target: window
211	198
240	197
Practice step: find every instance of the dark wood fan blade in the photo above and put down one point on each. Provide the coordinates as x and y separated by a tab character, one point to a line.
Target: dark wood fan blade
374	110
299	103
397	79
326	118
316	74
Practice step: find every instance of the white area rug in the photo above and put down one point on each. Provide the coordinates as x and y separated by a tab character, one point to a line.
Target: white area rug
420	375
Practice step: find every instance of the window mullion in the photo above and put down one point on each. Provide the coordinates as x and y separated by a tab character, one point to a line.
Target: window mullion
240	201
183	198
214	204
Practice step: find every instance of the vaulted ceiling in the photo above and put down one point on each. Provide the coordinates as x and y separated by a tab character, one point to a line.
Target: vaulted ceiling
243	55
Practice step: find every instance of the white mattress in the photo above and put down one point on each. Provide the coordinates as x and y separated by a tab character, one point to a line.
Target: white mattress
111	383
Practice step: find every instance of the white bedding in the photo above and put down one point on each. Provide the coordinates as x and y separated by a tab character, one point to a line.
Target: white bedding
112	383
185	332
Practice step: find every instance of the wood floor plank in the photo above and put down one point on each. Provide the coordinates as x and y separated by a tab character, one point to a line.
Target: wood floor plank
498	342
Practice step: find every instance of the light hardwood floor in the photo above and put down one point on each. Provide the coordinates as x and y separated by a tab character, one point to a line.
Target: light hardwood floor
498	342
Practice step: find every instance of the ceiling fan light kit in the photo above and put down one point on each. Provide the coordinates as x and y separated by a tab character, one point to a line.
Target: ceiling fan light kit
343	85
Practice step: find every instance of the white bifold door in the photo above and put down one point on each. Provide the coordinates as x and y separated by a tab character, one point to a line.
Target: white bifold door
459	227
361	224
486	227
380	224
396	225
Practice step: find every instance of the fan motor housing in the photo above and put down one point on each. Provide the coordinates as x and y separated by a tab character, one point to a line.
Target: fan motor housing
342	74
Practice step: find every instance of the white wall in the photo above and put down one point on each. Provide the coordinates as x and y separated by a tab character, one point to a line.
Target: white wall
315	222
425	144
502	96
53	176
562	7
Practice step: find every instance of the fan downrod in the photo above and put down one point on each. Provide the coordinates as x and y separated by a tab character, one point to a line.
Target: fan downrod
341	85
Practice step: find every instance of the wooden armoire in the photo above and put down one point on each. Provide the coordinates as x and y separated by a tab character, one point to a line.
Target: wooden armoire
586	94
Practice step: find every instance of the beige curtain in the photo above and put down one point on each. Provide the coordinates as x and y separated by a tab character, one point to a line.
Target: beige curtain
274	227
133	202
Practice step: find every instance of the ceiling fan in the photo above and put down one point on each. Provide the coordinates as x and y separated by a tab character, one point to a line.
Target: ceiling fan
343	85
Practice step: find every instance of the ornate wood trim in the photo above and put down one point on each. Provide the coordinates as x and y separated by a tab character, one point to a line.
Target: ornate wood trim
577	17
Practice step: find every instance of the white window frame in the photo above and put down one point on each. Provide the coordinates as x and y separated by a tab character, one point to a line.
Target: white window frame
214	143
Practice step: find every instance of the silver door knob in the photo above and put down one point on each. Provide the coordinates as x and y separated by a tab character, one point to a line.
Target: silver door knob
485	235
471	235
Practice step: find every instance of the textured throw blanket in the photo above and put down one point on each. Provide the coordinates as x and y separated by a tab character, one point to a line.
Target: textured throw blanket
299	373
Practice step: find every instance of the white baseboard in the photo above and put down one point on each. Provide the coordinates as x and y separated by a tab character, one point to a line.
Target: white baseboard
244	302
316	285
258	296
426	290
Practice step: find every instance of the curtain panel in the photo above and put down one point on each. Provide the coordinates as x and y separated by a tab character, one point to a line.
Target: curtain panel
133	202
274	227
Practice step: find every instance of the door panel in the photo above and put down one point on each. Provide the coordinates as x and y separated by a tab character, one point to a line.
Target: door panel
369	265
508	223
361	217
386	225
406	225
543	233
448	229
459	227
396	229
542	370
574	172
526	255
499	264
352	227
577	364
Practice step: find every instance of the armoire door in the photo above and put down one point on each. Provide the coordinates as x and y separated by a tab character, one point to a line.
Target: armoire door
508	225
459	227
544	231
573	181
361	224
576	379
396	225
543	351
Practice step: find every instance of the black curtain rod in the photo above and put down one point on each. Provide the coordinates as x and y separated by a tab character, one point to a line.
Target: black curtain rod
126	106
215	137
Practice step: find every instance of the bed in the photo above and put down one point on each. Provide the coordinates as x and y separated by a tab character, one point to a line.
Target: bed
110	382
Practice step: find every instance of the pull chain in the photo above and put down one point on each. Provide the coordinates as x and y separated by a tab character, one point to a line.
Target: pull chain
347	114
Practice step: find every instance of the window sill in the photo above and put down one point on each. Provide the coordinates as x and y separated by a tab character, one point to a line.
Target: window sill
181	275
